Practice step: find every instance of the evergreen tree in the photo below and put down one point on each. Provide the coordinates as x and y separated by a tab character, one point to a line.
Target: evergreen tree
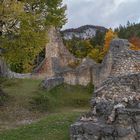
55	13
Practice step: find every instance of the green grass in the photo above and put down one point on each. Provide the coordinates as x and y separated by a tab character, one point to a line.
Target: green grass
50	113
61	97
54	127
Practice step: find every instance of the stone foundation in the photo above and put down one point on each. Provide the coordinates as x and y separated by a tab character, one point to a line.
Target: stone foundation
115	112
50	83
115	106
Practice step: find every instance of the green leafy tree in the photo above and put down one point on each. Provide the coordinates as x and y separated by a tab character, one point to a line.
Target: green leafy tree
23	29
55	13
24	39
98	40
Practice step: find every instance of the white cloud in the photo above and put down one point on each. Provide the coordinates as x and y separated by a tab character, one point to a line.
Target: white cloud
108	13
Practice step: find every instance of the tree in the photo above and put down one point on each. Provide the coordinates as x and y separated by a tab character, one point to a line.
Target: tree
23	29
24	38
98	39
135	41
55	13
110	35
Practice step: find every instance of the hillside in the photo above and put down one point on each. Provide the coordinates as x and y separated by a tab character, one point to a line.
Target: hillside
83	32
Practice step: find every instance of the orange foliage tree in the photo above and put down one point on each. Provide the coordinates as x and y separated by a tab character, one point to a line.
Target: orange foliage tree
110	35
135	41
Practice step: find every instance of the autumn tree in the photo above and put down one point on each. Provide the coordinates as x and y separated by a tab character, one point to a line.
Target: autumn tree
135	43
96	54
23	29
110	35
22	35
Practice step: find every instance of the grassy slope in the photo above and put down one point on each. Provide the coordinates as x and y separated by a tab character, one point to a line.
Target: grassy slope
62	98
16	110
66	102
54	127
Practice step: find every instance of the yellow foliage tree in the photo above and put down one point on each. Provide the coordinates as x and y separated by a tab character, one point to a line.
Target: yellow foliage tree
110	35
135	43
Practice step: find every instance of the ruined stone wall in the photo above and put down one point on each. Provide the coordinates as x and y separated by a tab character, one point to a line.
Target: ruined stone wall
115	111
3	68
6	72
78	77
115	106
82	74
56	57
120	60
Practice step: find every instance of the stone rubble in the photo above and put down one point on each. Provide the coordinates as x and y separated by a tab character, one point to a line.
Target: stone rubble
115	105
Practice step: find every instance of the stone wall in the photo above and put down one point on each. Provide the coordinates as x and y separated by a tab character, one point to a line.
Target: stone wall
3	68
120	60
50	83
6	72
115	112
57	56
115	106
82	74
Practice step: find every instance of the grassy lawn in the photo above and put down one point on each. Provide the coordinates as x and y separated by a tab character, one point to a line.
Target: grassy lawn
32	113
54	127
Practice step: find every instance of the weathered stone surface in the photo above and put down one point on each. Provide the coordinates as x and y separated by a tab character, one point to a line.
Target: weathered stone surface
115	106
81	75
50	83
57	56
6	72
83	32
115	112
3	67
119	61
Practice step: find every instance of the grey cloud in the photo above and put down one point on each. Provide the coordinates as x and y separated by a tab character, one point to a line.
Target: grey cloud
108	13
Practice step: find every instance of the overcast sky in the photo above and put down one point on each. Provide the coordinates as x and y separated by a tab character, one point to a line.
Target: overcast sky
108	13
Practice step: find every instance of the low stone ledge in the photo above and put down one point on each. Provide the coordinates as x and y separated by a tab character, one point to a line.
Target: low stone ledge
50	83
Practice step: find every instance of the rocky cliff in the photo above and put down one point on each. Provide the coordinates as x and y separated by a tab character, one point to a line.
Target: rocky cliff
83	32
115	106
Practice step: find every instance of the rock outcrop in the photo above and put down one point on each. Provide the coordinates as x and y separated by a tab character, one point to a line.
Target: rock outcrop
115	106
50	83
83	32
3	67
